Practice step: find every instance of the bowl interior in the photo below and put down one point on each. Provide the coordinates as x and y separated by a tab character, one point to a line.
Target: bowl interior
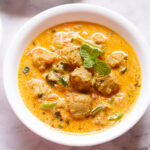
68	13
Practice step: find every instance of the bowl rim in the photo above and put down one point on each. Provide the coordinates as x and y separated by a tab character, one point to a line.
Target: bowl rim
77	6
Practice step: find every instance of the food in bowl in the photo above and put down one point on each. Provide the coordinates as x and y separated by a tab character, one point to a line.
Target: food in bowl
79	77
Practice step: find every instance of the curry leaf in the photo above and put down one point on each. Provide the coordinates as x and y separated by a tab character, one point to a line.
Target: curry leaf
101	67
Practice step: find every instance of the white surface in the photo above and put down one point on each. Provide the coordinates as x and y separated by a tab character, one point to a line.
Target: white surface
0	30
58	15
13	135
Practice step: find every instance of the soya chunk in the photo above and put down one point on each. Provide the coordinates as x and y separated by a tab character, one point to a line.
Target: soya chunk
115	59
60	66
63	39
99	38
81	79
51	78
79	105
42	59
71	56
106	85
39	88
100	119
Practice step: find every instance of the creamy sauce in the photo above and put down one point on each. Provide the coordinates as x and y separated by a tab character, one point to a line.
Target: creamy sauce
122	101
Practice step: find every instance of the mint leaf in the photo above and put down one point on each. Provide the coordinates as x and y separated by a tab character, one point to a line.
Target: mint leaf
88	63
101	67
86	56
89	51
89	54
83	41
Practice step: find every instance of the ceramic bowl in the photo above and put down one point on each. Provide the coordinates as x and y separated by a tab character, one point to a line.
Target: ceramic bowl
0	31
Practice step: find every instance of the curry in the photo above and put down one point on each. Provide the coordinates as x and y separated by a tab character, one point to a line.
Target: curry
79	77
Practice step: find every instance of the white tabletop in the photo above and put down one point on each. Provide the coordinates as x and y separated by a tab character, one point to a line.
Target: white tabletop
13	134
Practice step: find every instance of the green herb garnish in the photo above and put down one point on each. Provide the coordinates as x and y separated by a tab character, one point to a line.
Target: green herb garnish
62	81
57	114
63	65
83	41
51	82
101	67
123	70
40	95
115	117
53	31
26	70
90	55
97	109
47	105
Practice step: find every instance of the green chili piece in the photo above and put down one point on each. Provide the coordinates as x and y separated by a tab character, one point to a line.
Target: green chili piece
97	109
47	105
115	117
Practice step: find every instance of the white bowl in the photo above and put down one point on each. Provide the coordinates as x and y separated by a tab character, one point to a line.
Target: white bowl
0	31
67	13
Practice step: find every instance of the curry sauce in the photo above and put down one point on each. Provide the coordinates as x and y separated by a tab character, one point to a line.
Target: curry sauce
79	77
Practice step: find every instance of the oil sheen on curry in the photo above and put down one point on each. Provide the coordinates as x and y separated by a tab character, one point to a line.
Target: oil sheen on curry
79	77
